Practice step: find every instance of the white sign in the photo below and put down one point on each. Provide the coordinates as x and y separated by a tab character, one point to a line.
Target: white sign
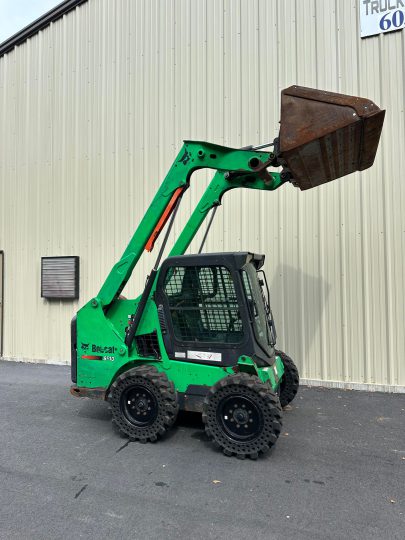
203	355
380	16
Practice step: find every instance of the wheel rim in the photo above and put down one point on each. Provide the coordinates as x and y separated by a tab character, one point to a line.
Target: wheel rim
240	417
139	406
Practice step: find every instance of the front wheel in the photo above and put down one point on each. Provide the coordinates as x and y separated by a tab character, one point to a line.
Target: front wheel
242	416
291	380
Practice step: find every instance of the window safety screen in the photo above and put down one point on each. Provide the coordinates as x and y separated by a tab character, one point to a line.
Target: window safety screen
60	277
203	304
256	305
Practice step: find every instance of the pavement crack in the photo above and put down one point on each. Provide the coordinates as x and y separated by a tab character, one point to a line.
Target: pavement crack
81	491
122	447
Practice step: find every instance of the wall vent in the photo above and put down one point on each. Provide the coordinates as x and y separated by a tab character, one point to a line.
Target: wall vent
60	277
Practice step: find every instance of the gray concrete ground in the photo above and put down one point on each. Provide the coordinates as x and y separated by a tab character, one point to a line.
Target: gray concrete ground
337	471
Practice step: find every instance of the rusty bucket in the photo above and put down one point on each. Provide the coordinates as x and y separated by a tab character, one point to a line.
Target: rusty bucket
324	135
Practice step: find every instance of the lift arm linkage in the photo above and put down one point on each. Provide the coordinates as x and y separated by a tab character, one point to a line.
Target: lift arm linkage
220	184
236	168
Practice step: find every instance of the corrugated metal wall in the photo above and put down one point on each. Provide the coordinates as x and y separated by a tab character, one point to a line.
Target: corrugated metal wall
93	110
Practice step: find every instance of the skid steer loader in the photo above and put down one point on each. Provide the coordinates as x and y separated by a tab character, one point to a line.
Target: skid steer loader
201	336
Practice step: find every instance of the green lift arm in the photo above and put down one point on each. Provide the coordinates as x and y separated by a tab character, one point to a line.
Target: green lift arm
236	168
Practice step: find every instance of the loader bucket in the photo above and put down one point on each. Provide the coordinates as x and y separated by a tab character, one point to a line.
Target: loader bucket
324	135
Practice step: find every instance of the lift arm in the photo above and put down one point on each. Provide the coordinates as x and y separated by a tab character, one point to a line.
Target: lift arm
236	168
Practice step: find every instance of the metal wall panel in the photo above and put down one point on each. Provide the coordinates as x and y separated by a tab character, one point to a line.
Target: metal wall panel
93	110
1	301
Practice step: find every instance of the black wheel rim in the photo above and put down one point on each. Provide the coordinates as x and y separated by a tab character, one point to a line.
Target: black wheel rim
240	417
139	405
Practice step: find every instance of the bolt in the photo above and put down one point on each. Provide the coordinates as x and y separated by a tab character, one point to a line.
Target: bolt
94	302
122	351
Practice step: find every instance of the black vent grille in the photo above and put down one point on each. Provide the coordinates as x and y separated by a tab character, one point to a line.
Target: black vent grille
148	345
203	304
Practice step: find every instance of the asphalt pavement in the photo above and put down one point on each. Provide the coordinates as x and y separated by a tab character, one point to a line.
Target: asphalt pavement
337	471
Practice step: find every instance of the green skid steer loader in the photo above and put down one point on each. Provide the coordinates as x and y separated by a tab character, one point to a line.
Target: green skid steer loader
201	337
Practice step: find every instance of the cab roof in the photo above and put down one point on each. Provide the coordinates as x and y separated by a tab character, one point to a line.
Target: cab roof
236	259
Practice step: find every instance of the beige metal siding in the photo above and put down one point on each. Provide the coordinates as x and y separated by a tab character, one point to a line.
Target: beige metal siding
93	110
1	302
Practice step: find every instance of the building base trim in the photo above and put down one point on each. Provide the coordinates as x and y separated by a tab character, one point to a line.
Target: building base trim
53	362
345	385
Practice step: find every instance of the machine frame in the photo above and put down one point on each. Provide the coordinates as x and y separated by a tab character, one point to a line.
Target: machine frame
99	349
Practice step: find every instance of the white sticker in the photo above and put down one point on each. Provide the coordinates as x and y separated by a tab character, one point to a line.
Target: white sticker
179	354
203	355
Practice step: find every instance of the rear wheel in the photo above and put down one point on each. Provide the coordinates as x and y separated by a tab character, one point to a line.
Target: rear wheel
291	380
143	404
242	416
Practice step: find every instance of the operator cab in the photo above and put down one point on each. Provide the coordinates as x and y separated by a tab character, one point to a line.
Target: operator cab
214	308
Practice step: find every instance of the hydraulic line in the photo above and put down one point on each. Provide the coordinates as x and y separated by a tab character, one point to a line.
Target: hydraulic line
136	319
208	228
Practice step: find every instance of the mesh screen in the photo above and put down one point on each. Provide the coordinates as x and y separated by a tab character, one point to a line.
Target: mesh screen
203	304
256	304
148	345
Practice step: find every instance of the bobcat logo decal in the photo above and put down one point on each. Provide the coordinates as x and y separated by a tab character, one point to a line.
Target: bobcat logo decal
185	157
85	346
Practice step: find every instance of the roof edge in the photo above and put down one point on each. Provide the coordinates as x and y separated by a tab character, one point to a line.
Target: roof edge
39	24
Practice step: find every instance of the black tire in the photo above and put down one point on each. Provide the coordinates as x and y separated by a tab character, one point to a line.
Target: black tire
291	380
143	404
248	400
